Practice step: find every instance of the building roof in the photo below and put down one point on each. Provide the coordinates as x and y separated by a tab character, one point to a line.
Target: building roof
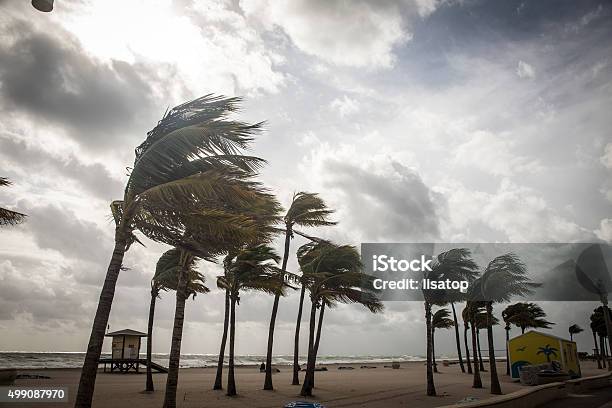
542	334
126	332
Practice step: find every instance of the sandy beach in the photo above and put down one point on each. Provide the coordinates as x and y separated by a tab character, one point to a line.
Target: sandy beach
375	387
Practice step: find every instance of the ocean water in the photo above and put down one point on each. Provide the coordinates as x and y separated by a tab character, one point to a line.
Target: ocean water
35	360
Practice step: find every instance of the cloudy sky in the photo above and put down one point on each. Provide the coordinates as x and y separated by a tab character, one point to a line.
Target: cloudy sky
417	120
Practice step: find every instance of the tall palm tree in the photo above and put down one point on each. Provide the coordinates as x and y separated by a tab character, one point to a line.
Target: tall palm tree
8	217
574	329
455	265
466	326
440	320
472	309
219	377
509	315
459	266
598	326
306	210
176	271
503	278
192	157
252	268
332	274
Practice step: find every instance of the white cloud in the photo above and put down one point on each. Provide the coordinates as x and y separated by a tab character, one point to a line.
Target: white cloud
605	230
606	159
494	154
345	106
356	33
525	70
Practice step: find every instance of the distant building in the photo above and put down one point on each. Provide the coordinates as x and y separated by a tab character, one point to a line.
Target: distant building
535	347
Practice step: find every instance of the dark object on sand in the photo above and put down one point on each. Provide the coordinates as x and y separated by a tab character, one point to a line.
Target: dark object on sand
262	368
345	368
303	404
394	366
365	366
320	369
7	376
32	377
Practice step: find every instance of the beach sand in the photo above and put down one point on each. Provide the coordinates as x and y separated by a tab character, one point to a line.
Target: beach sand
373	388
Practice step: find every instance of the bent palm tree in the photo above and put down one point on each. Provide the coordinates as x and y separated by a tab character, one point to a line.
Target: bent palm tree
306	210
504	277
8	217
191	158
333	274
574	329
252	268
528	315
175	270
472	309
439	320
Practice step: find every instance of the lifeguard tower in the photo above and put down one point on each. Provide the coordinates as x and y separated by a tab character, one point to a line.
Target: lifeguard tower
125	354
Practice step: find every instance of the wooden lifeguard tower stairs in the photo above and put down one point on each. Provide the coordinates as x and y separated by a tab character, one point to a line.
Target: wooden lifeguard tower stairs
125	365
126	353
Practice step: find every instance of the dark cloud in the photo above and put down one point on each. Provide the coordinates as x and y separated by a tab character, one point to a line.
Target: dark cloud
50	77
58	228
92	177
396	206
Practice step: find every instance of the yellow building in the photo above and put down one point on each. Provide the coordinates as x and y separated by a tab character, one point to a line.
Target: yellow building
538	348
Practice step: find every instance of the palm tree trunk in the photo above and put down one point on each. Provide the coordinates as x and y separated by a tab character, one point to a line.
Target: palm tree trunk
571	336
602	351
306	386
597	350
507	353
606	313
431	388
268	380
149	385
296	346
495	386
317	341
177	336
433	350
457	340
219	377
467	349
480	361
477	383
87	381
231	381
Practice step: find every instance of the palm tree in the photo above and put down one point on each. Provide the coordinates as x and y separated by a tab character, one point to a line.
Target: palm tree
547	351
598	326
252	268
332	274
504	277
8	217
466	326
594	330
157	285
176	271
191	158
440	320
219	377
306	210
458	267
574	329
528	315
455	265
472	309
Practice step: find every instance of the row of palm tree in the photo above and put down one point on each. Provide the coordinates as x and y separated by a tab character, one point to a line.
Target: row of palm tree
503	278
193	188
601	339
